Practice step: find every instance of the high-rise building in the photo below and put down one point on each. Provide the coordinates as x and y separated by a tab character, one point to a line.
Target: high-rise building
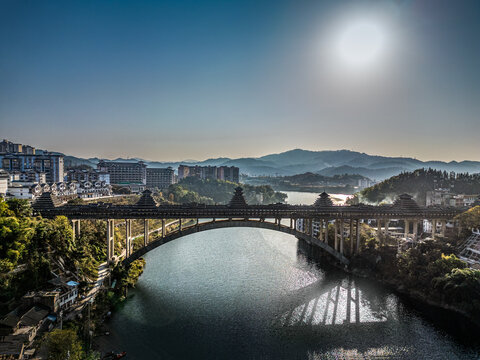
183	171
228	173
49	163
160	178
124	173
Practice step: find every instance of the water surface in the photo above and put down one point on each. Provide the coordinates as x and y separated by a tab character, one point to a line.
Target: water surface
253	294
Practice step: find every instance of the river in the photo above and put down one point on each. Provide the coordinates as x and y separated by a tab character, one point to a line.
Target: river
253	294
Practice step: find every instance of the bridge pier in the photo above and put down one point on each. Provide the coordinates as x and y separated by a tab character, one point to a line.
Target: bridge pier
415	230
351	237
76	229
341	236
326	232
145	232
110	239
335	237
128	237
387	225
357	248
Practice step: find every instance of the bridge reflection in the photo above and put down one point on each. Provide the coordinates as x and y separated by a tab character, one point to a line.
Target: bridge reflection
331	302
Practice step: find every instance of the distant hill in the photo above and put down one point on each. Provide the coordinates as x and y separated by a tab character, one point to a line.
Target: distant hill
326	163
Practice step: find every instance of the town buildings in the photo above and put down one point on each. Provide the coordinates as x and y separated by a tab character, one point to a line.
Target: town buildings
160	178
91	175
227	173
129	174
25	159
4	179
444	197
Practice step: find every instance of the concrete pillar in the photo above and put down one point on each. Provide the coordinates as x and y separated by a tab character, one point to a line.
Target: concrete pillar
351	236
320	230
326	232
295	224
76	229
387	225
291	223
444	227
415	230
128	237
357	248
311	227
110	239
407	228
336	235
145	232
379	227
434	228
341	236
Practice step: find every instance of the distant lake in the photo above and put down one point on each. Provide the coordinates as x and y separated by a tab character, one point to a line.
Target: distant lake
308	198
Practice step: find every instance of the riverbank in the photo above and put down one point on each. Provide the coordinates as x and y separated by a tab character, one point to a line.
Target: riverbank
111	300
413	297
430	274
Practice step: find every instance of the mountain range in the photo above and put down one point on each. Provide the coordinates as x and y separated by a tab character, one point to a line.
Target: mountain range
297	161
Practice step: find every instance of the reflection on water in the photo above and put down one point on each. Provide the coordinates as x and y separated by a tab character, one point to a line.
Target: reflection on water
250	294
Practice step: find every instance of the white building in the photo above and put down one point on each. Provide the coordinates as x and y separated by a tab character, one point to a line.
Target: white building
4	179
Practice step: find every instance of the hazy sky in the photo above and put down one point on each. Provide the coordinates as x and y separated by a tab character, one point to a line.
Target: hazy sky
171	80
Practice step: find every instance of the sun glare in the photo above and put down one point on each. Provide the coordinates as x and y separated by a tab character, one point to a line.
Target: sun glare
361	44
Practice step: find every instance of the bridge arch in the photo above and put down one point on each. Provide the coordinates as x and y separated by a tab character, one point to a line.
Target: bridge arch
222	224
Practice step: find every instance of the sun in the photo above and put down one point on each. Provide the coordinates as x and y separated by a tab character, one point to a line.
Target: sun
361	44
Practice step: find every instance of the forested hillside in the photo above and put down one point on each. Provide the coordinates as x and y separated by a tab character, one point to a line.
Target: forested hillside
418	182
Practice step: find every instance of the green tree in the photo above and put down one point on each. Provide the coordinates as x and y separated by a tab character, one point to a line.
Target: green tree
64	344
470	219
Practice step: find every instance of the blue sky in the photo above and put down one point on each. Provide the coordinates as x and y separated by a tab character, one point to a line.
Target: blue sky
169	80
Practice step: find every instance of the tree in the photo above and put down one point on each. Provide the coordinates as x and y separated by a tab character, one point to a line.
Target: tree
64	344
20	207
470	219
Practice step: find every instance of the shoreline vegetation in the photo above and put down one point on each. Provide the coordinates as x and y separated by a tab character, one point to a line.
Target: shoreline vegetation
430	272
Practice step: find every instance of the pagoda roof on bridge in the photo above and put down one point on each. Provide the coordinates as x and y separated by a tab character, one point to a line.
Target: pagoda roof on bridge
47	201
323	201
238	200
405	202
146	200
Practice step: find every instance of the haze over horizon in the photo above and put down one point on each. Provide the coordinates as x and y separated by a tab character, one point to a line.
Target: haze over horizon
215	156
173	80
